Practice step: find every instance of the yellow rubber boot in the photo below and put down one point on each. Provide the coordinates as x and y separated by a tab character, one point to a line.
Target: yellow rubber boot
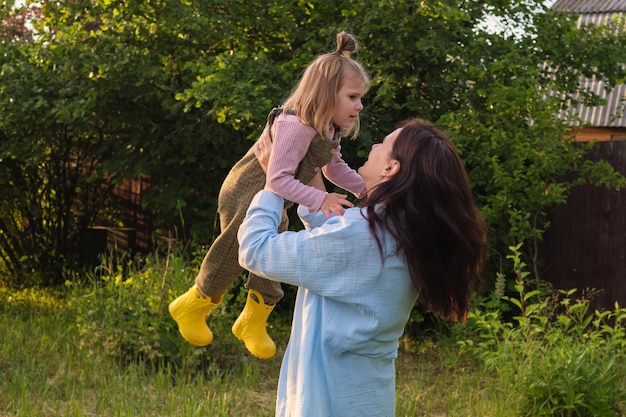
190	311
251	327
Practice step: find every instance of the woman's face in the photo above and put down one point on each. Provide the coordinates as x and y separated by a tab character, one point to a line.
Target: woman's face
379	166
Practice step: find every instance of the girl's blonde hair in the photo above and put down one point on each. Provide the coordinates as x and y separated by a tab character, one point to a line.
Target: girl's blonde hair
313	99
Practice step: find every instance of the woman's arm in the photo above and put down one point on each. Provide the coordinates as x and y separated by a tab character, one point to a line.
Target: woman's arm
323	259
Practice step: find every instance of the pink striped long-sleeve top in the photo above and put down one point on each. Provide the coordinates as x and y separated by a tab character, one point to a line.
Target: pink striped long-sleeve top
292	139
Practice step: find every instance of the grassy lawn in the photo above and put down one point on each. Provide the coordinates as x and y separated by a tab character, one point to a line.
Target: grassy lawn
44	371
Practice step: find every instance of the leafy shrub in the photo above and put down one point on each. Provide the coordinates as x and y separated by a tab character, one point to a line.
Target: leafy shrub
124	311
562	359
31	302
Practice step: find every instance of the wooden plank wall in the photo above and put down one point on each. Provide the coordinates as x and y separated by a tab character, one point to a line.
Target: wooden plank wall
600	134
132	214
585	246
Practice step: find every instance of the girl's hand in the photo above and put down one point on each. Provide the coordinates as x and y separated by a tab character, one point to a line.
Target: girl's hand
334	203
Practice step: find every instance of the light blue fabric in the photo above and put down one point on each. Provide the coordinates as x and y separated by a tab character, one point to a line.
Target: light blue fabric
350	311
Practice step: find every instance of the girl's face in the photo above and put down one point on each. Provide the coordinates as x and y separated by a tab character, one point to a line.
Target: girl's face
380	166
348	102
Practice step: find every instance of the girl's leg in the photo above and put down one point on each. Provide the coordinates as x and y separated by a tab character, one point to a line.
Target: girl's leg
220	266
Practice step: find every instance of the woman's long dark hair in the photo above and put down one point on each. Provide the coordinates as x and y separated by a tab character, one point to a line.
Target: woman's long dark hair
428	208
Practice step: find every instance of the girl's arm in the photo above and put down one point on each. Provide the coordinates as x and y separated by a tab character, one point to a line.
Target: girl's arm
339	173
291	142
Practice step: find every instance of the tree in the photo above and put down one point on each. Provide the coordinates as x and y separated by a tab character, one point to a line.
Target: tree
522	158
83	106
177	91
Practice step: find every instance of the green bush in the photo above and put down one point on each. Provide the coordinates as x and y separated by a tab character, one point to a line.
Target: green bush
560	358
123	312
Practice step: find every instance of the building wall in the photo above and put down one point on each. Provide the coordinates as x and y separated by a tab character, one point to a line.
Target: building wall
600	134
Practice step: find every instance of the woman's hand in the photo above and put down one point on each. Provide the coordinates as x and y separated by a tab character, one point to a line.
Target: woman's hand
264	150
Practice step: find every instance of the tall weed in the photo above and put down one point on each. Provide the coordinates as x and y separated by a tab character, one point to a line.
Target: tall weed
559	357
44	372
123	312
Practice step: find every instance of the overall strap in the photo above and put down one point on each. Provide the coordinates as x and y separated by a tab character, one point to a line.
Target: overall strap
276	111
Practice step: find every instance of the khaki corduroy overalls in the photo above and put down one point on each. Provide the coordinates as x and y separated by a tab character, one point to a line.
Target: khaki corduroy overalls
220	266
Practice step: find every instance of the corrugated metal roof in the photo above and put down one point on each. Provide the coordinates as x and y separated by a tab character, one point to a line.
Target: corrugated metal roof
598	12
590	6
612	114
597	18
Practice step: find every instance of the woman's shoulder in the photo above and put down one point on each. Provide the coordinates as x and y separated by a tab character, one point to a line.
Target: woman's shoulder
353	218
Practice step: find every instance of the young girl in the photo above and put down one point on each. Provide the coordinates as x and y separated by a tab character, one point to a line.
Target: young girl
305	136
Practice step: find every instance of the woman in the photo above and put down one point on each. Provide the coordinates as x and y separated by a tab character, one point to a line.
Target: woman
417	234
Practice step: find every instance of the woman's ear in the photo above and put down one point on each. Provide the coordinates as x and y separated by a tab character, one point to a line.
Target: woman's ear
391	168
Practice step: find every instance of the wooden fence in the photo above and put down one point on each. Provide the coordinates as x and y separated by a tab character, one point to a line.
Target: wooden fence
135	236
585	247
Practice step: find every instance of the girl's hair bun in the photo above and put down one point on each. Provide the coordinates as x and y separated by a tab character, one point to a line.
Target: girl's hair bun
346	44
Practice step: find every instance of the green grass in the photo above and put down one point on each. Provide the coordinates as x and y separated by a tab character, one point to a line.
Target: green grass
44	372
108	347
437	382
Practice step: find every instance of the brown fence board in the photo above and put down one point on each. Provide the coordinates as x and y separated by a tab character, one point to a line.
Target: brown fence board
132	214
585	246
